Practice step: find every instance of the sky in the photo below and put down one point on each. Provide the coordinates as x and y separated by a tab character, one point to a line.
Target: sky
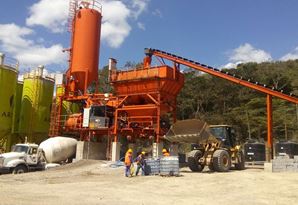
219	33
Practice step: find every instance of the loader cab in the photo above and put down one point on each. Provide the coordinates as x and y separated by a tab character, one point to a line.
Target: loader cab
225	133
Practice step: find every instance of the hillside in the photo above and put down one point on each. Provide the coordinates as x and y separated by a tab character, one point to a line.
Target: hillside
218	101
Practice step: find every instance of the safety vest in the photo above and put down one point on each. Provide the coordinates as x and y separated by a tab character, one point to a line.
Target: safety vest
166	154
128	160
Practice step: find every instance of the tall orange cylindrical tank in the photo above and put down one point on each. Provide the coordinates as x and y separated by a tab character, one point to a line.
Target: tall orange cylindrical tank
85	47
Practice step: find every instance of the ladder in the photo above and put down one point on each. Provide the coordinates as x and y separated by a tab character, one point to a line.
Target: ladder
54	124
71	14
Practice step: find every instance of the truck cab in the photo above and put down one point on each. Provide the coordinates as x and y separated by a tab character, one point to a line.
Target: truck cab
23	158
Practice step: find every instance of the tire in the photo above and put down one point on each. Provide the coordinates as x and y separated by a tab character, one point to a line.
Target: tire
20	169
240	157
211	168
193	161
221	161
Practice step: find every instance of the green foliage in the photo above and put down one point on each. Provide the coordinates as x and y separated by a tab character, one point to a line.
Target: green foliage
103	80
218	101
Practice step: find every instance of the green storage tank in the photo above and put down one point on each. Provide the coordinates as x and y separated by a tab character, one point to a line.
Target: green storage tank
15	138
8	81
36	106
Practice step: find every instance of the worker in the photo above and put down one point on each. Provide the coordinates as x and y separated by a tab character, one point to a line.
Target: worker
141	163
128	162
165	153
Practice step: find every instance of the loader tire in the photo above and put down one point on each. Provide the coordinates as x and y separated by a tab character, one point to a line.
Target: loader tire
241	163
211	168
221	161
193	161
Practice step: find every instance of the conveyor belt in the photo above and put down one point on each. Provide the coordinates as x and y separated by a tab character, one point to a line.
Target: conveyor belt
224	74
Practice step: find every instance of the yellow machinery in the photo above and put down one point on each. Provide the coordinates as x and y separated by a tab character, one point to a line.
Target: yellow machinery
213	146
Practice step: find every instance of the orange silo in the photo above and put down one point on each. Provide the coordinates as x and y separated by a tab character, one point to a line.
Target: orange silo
86	27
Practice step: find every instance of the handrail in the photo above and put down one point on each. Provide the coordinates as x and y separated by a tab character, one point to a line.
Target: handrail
89	4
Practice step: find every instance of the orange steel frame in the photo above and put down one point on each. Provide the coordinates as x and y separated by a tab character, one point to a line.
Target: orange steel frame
94	99
152	119
217	73
158	100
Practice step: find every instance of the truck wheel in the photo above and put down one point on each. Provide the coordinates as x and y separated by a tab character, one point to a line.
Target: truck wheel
241	163
221	161
20	169
193	161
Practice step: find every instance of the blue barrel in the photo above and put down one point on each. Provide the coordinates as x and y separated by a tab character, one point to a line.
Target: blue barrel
152	166
169	166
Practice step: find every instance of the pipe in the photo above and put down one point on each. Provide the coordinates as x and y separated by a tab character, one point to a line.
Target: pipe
40	69
2	57
112	68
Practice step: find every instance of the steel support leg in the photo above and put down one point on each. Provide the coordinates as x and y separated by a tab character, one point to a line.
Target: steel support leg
269	153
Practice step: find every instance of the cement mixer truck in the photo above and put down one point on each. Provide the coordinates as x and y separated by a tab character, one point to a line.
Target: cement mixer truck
213	146
31	157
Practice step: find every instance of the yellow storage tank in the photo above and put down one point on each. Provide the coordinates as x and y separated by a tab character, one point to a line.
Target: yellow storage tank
68	107
36	106
15	138
8	80
17	107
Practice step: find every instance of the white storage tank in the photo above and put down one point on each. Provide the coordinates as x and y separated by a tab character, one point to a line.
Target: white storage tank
58	149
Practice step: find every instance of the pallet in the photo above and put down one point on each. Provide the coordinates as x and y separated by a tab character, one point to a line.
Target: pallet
254	163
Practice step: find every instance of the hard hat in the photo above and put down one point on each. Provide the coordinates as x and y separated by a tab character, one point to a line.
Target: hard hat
143	152
129	150
164	150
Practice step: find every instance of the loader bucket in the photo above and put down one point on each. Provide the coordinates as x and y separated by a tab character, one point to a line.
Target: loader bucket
190	131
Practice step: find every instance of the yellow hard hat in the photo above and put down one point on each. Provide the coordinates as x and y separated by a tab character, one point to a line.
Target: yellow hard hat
143	153
164	150
129	150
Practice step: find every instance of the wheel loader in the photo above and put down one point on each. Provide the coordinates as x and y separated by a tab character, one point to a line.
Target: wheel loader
213	146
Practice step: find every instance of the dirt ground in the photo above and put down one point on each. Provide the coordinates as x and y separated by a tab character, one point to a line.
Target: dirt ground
95	182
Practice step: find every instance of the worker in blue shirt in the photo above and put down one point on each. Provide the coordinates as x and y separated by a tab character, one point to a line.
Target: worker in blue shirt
140	163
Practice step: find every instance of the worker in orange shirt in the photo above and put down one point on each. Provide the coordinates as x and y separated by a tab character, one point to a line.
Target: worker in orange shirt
165	153
128	162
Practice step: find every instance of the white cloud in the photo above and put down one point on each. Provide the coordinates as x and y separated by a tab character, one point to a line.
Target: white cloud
115	27
138	7
231	65
141	26
290	56
51	14
38	54
12	37
15	41
247	53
